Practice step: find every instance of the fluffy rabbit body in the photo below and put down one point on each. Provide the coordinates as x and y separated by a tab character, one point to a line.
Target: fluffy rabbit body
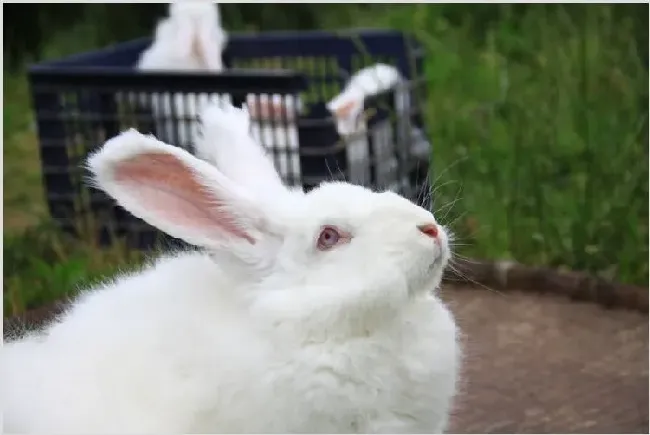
303	312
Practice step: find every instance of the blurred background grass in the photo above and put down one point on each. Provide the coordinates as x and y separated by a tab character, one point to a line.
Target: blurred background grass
538	115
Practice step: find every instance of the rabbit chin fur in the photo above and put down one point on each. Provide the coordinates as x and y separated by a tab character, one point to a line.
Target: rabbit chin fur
349	340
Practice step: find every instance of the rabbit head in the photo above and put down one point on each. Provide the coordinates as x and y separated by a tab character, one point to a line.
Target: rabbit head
339	246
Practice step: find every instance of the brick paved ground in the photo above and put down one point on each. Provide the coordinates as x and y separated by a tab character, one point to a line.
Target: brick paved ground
543	364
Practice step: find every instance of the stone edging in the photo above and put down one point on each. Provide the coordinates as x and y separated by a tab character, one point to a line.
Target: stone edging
509	275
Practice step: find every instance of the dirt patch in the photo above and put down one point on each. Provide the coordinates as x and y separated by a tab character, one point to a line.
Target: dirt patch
544	364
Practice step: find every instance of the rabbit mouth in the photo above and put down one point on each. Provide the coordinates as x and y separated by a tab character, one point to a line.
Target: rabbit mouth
427	278
436	265
433	267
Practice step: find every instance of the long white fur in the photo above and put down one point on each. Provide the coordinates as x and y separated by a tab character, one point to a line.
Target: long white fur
351	340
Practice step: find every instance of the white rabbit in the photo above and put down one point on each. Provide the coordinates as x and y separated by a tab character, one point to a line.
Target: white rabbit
347	107
303	313
190	39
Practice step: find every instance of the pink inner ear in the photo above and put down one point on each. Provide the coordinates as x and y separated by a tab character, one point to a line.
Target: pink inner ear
345	109
170	190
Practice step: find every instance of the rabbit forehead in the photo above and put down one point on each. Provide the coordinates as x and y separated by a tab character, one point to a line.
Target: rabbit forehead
358	204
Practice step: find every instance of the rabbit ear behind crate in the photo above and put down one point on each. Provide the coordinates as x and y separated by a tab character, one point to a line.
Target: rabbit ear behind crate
201	31
190	38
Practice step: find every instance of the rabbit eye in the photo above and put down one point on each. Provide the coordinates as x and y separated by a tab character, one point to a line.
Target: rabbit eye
328	238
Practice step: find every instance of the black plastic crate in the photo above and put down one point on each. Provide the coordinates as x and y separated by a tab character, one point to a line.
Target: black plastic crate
83	100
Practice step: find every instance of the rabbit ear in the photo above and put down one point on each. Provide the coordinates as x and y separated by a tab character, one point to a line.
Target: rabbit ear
208	47
199	32
212	39
226	142
347	109
185	36
176	192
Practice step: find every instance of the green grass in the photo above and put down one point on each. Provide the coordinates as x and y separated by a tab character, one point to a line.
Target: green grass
23	196
540	132
41	265
551	124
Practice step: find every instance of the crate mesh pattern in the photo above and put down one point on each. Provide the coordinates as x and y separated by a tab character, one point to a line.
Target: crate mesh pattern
83	100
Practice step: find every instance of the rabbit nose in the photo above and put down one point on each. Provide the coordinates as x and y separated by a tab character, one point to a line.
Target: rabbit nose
430	230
